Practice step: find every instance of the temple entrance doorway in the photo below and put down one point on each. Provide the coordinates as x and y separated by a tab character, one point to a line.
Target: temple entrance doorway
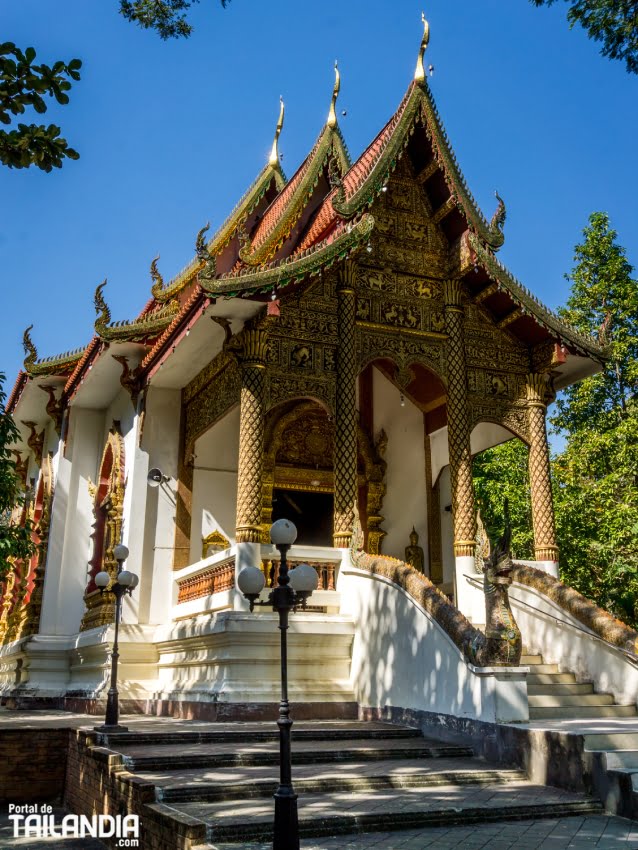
311	512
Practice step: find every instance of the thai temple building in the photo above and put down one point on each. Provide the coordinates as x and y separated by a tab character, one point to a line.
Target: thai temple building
335	354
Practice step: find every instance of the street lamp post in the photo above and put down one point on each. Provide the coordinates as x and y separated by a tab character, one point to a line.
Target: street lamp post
125	582
293	589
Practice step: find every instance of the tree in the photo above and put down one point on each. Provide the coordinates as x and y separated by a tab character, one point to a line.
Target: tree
596	476
15	540
166	17
612	22
24	85
493	488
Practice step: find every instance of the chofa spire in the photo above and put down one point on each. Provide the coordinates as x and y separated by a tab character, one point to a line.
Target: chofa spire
419	74
274	154
332	115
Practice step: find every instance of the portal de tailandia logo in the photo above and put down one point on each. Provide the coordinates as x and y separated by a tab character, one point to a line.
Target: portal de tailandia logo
39	821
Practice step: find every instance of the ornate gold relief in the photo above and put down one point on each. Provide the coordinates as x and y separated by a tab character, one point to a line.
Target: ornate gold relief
30	604
108	506
35	441
213	543
538	391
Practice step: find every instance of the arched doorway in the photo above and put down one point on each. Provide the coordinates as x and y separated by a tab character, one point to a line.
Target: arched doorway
299	474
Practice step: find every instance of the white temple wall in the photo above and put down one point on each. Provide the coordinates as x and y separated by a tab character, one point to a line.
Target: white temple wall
405	503
486	435
215	482
401	657
447	527
71	525
160	446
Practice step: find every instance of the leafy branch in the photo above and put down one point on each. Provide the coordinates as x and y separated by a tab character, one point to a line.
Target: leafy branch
24	85
166	17
612	22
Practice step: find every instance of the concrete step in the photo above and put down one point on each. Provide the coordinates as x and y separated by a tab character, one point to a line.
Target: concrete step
529	660
340	813
537	669
573	712
621	759
550	678
349	783
176	757
612	739
560	688
559	700
258	732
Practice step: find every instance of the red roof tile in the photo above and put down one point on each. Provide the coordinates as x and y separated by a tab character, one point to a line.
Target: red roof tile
274	211
170	330
16	392
352	180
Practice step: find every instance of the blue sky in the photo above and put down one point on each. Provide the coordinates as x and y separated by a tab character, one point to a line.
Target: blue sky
172	133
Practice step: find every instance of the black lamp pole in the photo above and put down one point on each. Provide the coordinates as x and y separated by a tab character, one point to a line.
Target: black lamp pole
111	721
283	598
118	589
286	831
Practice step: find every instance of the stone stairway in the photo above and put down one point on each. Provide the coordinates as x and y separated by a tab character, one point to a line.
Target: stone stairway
614	767
350	776
554	695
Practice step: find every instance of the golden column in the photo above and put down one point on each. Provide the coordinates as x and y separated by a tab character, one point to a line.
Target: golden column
463	509
252	359
545	547
345	451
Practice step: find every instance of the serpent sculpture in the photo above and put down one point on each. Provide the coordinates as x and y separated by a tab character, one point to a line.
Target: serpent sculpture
499	646
502	642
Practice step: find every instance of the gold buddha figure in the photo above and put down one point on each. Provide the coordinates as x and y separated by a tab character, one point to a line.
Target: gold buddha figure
414	553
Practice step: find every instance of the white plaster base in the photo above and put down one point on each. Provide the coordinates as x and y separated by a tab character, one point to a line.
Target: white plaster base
90	662
36	666
234	656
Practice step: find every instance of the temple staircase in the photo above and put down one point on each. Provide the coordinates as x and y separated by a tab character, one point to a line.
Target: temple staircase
555	695
350	776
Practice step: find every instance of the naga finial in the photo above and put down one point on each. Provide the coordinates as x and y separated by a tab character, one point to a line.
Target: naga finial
332	115
156	277
274	153
101	308
30	350
200	244
419	74
498	219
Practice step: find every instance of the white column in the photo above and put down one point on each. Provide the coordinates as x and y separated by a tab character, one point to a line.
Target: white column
71	525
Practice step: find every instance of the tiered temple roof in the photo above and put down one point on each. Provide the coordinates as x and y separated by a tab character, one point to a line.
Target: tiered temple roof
283	232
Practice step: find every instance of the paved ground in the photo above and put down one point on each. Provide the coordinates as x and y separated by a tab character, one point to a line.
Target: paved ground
575	833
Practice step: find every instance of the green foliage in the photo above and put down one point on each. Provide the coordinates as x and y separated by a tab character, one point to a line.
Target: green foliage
596	499
15	541
612	22
596	476
23	86
166	17
603	302
501	474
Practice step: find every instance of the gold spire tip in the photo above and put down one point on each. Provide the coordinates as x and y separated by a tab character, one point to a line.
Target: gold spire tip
419	74
274	153
332	115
